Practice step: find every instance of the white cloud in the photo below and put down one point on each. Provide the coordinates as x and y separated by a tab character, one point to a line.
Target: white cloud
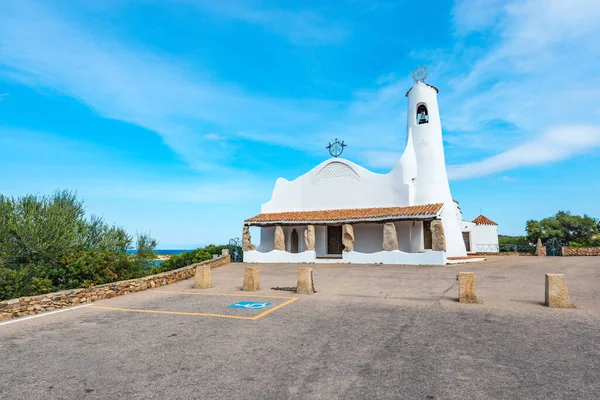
557	144
213	136
40	48
532	79
300	27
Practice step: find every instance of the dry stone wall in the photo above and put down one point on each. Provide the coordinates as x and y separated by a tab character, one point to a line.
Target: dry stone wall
580	251
53	301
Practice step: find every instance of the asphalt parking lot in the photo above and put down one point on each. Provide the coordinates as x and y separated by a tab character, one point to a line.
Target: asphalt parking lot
371	332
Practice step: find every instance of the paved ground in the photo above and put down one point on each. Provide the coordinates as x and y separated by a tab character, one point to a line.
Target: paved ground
372	332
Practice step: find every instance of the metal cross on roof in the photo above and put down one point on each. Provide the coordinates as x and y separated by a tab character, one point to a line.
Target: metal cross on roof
420	73
336	148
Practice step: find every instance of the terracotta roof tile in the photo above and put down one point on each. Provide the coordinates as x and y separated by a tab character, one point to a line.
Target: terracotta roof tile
483	220
347	215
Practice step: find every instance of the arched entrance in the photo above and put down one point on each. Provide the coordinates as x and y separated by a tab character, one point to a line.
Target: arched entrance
294	243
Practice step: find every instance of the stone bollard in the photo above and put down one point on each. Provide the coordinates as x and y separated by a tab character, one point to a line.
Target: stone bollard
202	277
305	281
557	294
466	287
251	280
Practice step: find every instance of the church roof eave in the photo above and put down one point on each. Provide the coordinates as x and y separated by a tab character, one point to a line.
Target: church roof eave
351	215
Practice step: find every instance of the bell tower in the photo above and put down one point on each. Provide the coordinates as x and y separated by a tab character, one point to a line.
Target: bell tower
425	130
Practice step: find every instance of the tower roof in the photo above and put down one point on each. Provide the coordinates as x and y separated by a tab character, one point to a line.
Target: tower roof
483	220
427	84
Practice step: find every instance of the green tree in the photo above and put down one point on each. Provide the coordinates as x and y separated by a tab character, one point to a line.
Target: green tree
565	227
47	244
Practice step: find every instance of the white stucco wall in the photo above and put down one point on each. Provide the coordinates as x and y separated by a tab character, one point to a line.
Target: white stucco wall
483	238
368	238
337	183
267	235
354	257
321	240
431	184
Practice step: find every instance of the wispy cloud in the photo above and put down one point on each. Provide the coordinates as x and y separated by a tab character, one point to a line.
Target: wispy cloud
540	75
557	144
122	82
299	26
528	81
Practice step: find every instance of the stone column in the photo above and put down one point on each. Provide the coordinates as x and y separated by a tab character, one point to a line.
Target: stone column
309	238
466	287
251	280
247	240
202	280
557	294
348	237
279	239
438	238
305	281
390	238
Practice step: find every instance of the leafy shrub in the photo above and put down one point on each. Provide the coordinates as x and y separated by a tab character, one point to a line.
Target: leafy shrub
187	258
47	244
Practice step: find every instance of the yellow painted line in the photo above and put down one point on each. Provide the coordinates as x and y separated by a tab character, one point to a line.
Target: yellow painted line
226	294
270	310
173	312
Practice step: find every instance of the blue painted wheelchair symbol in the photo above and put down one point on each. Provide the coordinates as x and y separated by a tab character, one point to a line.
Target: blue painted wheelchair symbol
250	305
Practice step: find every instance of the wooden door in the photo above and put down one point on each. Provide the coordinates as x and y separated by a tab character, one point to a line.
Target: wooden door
427	240
294	241
334	240
467	240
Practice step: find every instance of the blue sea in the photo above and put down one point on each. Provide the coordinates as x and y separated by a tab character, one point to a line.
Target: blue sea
164	251
158	262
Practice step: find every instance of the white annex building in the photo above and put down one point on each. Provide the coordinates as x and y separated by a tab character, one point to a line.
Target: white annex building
341	212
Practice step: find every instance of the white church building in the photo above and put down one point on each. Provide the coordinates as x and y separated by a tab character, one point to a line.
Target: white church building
340	212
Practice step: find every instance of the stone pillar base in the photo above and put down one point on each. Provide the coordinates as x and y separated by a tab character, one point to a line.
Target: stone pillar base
305	281
557	294
203	280
466	287
251	280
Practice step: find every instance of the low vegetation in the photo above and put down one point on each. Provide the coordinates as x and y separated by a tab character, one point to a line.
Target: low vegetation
571	230
48	244
574	230
187	258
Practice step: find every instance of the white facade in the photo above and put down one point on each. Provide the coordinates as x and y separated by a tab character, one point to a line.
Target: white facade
419	178
480	238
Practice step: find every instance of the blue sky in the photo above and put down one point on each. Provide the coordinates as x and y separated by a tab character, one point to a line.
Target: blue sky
176	117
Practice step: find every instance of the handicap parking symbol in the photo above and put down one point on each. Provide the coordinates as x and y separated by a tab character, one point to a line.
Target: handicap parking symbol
250	305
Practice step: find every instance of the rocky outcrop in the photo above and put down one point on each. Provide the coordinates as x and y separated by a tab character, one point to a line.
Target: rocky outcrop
348	237
53	301
309	238
390	238
438	238
279	239
247	239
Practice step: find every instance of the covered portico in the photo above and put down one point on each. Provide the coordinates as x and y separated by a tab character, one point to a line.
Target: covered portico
391	235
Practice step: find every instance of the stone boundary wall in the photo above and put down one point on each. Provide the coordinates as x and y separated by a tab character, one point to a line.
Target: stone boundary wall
580	251
31	305
502	253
